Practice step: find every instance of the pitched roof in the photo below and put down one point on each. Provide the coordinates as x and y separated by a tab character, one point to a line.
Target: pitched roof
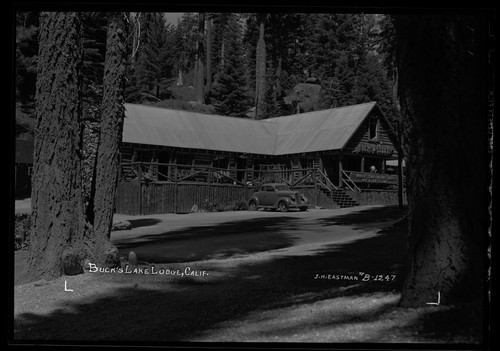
165	127
306	132
319	130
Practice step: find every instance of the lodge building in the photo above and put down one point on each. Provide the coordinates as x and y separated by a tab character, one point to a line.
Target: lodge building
330	155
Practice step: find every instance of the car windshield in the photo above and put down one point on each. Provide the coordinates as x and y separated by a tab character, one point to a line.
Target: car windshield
282	187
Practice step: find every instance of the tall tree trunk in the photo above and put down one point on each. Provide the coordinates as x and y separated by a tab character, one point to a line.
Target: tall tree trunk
277	53
260	72
208	86
90	142
113	113
442	76
58	222
222	55
180	80
199	80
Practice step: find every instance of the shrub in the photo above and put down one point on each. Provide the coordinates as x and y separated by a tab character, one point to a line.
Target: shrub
240	205
209	206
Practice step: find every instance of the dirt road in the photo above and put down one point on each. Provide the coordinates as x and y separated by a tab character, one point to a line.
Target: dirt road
201	236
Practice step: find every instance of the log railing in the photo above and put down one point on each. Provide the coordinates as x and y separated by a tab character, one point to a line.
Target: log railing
325	181
175	173
168	172
149	171
346	179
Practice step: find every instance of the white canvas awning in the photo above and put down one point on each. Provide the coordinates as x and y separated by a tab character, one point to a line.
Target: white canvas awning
394	163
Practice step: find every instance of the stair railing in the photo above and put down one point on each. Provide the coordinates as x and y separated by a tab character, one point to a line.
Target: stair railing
321	176
349	182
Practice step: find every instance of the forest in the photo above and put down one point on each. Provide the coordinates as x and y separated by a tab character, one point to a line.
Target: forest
250	65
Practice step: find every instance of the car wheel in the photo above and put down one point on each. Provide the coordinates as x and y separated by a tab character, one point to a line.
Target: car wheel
252	206
283	206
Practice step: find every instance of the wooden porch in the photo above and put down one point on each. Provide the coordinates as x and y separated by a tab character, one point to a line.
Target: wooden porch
152	187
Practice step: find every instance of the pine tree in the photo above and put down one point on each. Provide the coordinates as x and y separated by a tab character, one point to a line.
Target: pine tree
442	64
94	46
283	35
230	91
26	66
272	105
111	127
58	221
185	48
154	63
199	71
208	54
260	70
223	27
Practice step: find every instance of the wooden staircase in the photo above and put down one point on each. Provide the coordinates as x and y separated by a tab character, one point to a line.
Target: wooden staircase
339	197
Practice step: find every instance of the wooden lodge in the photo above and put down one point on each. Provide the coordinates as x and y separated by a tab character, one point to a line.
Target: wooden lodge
172	160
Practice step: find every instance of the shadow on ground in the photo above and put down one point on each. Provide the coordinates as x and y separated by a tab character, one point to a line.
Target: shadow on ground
215	241
185	309
239	237
369	218
143	222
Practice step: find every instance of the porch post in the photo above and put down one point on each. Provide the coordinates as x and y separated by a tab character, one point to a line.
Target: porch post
316	192
321	166
362	164
139	175
175	187
340	169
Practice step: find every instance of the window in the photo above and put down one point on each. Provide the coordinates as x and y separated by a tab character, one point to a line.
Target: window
269	188
374	127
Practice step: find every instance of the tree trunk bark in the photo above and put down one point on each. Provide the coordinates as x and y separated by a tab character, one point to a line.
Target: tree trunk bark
277	54
222	55
180	80
200	56
209	56
442	80
58	222
260	73
113	113
90	136
400	167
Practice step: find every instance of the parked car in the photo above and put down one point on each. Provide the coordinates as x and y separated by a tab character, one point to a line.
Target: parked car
277	196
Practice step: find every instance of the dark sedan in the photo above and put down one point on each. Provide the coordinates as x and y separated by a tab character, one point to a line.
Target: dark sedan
277	196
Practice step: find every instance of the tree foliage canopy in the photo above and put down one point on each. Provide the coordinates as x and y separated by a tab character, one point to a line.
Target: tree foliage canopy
350	56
